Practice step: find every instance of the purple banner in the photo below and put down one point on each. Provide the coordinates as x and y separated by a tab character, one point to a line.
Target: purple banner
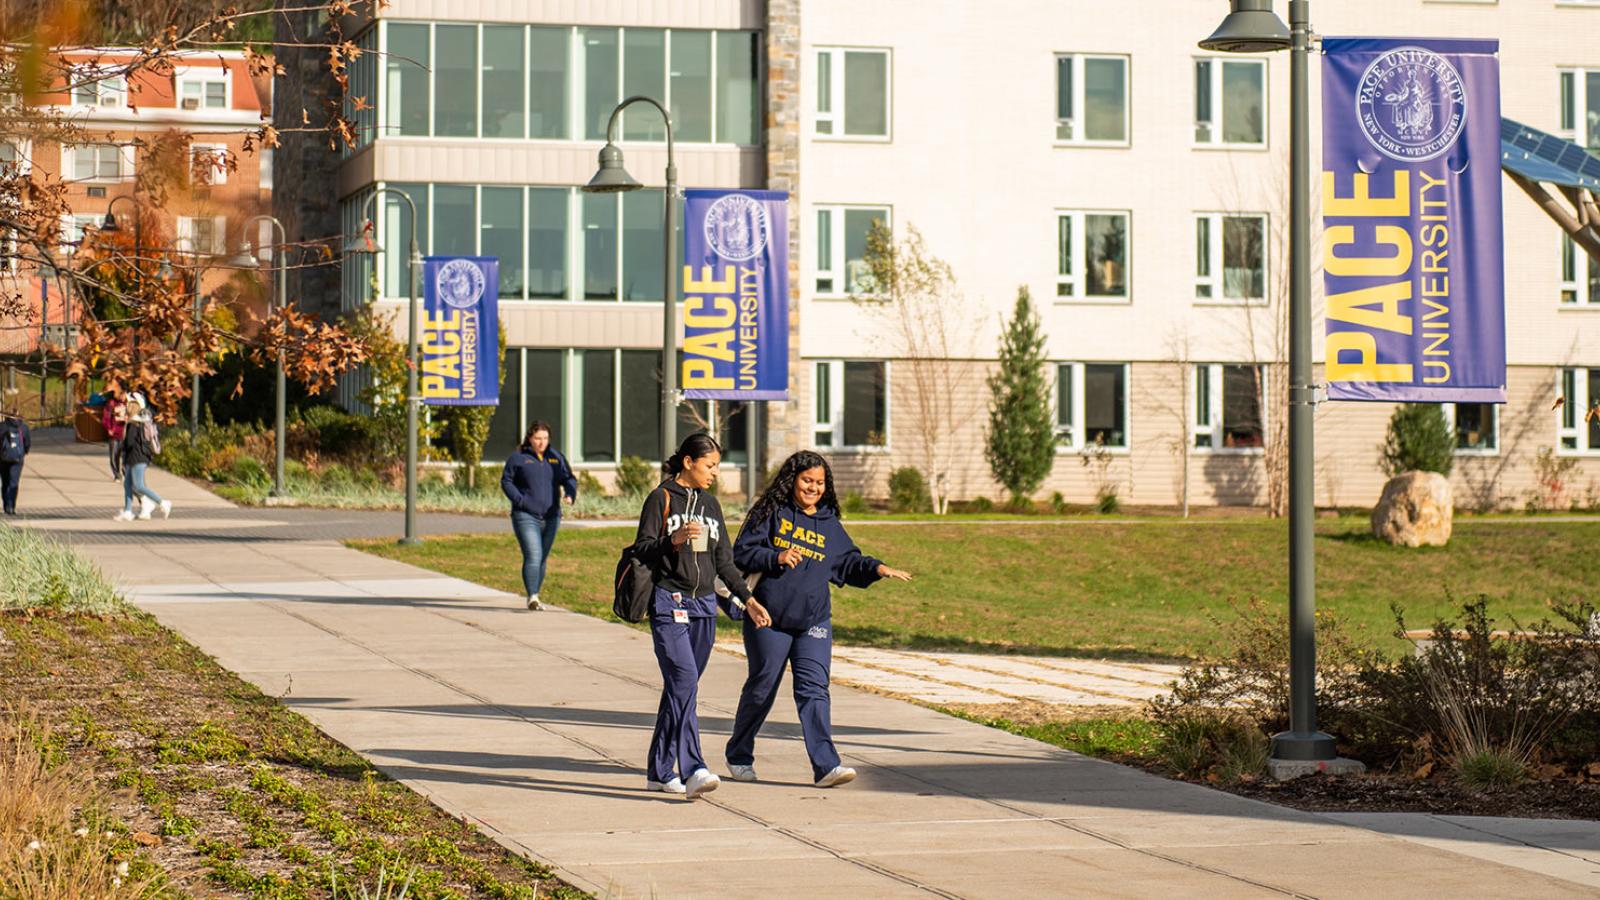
460	340
1413	252
735	295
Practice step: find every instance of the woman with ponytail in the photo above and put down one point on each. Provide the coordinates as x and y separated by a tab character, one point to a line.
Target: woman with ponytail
683	538
794	541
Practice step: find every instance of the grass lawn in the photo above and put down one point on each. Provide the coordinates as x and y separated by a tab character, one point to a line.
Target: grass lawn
1116	589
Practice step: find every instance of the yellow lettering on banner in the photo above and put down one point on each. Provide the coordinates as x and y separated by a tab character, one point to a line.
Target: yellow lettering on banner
1389	235
706	284
721	314
440	343
713	345
1355	307
1367	367
1361	202
700	374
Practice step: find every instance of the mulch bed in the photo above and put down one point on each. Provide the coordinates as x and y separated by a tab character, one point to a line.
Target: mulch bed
1556	799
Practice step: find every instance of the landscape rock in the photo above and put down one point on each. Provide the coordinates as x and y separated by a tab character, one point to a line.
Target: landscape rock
1416	510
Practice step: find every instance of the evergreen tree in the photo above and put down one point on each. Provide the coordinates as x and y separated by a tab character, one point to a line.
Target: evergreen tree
1021	444
1419	439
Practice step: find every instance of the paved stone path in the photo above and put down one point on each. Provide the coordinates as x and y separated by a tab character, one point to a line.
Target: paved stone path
533	726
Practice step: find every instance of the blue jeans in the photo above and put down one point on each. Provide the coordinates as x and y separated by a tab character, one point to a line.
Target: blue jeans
133	483
536	536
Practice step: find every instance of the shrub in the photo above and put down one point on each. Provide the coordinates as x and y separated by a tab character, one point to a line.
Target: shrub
248	471
982	505
1058	503
1418	439
1554	475
1213	745
589	486
337	433
908	491
1492	768
337	475
43	574
635	477
853	502
1107	502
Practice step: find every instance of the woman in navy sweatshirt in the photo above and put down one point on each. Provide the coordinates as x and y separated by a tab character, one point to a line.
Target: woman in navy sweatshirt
534	480
794	540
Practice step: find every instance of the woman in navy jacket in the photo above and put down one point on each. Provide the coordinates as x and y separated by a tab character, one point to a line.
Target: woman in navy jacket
534	480
794	540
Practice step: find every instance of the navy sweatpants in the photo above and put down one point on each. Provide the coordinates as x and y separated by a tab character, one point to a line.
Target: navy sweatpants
809	652
682	650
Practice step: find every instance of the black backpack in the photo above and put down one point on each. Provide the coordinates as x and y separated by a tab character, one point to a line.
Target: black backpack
634	584
10	443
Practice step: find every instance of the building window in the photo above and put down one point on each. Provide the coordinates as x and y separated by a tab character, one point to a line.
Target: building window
407	101
1092	255
265	160
1092	99
853	92
203	90
548	240
15	156
504	82
1236	247
202	235
1579	422
1477	427
1227	407
842	232
455	80
1091	405
501	236
208	164
852	405
92	86
549	53
74	228
1580	106
1580	274
1230	107
96	162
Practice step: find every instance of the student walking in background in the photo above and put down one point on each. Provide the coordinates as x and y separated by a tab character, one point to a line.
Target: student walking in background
794	541
684	541
535	479
141	443
15	443
113	416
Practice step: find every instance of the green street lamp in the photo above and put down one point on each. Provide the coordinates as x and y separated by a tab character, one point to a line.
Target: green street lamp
362	243
612	178
245	259
1252	27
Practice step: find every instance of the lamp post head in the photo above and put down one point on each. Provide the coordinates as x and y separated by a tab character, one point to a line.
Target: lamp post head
109	223
243	258
1252	27
364	241
612	177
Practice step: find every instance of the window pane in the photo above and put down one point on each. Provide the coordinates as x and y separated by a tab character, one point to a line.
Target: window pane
643	251
1202	397
1594	399
824	393
857	225
599	49
691	85
599	393
408	63
547	243
735	436
824	240
502	236
503	425
599	246
1063	245
738	87
1242	89
1105	97
1591	116
1569	408
644	62
1106	245
1241	407
641	404
544	390
1568	101
866	404
395	235
1244	272
1104	397
456	80
1202	249
503	83
547	82
1064	404
1475	426
824	82
216	94
455	220
866	93
1202	100
1064	98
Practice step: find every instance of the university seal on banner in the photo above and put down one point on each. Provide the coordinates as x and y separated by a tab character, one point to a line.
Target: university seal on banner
737	228
460	283
1412	104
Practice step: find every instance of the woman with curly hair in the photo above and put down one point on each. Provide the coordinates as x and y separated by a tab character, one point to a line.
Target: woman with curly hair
794	541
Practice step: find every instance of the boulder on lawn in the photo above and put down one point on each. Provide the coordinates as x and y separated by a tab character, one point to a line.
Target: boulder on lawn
1415	510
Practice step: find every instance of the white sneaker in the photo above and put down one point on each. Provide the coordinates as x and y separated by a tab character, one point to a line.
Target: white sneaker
839	775
675	786
166	509
146	507
124	516
741	773
701	782
533	603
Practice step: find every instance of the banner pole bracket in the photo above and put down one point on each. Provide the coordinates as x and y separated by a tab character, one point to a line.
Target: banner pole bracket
1308	394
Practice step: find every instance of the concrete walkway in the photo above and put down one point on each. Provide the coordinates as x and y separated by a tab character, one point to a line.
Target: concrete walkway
534	726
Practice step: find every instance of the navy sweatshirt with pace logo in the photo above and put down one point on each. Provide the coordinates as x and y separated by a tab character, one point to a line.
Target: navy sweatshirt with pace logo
688	577
534	482
798	598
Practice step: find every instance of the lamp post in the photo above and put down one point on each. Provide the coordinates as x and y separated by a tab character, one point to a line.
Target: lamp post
613	178
358	244
112	226
1252	27
245	259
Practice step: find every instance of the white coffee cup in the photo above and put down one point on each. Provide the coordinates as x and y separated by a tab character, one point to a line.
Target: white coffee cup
698	542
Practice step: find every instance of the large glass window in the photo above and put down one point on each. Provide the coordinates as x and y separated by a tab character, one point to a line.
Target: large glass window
852	409
407	68
544	384
738	87
842	247
1092	255
1578	423
455	220
1580	274
1476	427
644	72
599	246
598	427
395	235
600	59
1230	102
456	80
503	83
858	89
547	243
1091	405
640	404
1091	99
1228	407
548	82
505	424
643	252
691	85
1580	106
1240	255
502	236
96	162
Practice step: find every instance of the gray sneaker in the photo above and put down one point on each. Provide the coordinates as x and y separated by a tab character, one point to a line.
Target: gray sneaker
701	782
675	786
741	773
839	775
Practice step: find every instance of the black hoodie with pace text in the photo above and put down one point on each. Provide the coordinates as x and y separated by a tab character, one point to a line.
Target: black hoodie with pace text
688	574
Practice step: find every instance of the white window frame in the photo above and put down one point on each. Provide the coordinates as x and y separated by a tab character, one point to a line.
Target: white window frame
90	76
24	149
834	373
74	229
1212	427
185	236
202	77
1578	285
264	176
838	269
1079	88
1450	419
1577	104
1075	430
219	168
1216	281
70	153
1217	116
1573	440
834	115
1076	282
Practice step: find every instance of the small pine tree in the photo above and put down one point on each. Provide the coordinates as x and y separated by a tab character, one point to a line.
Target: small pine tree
1021	444
1418	439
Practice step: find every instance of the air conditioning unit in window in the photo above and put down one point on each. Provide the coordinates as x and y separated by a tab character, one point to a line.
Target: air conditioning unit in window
191	103
110	99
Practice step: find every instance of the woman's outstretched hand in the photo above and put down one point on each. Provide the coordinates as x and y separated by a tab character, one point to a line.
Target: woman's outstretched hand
757	613
896	574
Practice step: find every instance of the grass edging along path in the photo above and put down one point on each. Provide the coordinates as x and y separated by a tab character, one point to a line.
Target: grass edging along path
1143	590
227	790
